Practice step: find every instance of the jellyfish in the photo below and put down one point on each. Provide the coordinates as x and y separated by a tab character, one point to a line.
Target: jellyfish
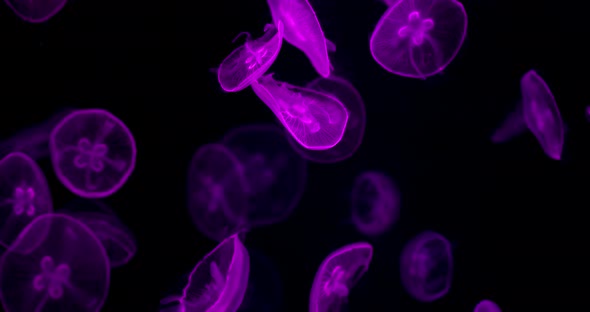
315	120
24	195
93	153
419	38
487	306
375	203
35	11
55	264
218	282
337	275
265	291
537	112
251	60
427	266
303	30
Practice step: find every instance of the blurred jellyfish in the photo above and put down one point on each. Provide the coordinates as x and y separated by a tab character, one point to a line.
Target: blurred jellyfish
251	60
24	195
303	30
419	38
93	152
35	11
537	112
427	266
275	175
487	306
265	289
337	275
375	203
55	264
315	120
588	113
218	282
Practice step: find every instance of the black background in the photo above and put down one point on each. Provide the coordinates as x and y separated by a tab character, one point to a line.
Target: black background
515	217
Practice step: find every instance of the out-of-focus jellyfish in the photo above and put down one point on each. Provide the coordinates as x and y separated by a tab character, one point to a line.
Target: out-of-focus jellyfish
419	38
251	60
24	195
537	112
337	275
427	266
93	152
375	203
218	282
275	175
265	289
35	11
487	306
303	30
315	120
55	264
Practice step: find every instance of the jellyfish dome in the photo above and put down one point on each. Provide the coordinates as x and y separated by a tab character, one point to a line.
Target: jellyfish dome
487	306
35	11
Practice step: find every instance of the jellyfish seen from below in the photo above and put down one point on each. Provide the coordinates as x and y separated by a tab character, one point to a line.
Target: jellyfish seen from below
419	38
265	289
24	195
93	152
218	282
55	264
315	120
375	203
337	275
427	266
487	306
35	11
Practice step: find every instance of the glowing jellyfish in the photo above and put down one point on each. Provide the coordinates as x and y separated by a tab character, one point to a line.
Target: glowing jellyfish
303	30
419	38
35	11
375	203
337	275
251	60
427	266
55	264
315	120
487	306
93	153
24	195
275	175
539	113
264	292
218	282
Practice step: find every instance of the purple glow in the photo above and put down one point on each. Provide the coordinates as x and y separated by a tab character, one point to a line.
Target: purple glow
35	11
487	306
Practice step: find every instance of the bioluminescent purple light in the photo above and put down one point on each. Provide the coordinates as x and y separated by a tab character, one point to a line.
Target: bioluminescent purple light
487	306
36	11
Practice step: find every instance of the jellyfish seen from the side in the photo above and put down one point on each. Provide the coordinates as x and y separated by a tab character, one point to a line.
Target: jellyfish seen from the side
265	289
426	266
419	38
93	152
315	120
24	195
218	282
55	264
337	275
487	306
35	11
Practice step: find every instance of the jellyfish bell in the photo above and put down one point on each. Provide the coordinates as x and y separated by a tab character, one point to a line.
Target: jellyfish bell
35	11
487	306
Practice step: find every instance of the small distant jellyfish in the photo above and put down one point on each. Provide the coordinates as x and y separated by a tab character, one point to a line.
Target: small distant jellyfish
93	153
218	282
337	275
55	264
427	266
419	38
24	195
35	11
487	306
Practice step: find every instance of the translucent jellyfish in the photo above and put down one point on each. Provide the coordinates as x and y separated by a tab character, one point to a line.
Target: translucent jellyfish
487	306
24	195
55	264
93	152
537	112
35	11
419	38
427	266
303	30
315	120
337	275
218	282
375	203
251	60
265	289
275	175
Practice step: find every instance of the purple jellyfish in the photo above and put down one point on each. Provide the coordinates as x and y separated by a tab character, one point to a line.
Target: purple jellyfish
219	281
24	195
337	275
303	30
487	306
93	152
34	11
315	120
427	266
375	203
251	60
55	264
419	38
